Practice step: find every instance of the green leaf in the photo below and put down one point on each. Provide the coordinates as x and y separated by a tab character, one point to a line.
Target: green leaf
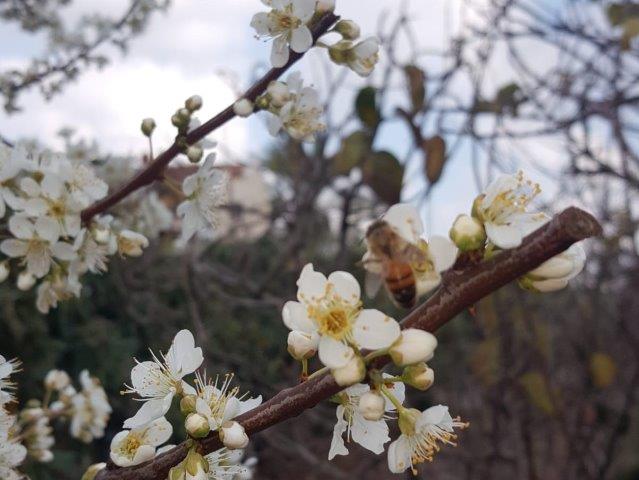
354	149
385	175
366	107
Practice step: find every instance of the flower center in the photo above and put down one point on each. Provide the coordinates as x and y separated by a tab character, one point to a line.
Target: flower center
334	323
131	445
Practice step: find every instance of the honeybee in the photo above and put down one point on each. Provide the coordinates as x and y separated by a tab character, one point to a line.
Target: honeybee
390	258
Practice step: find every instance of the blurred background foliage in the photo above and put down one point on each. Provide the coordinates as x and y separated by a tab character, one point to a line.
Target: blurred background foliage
549	383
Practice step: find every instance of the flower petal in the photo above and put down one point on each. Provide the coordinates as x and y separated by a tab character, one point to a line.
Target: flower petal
296	317
399	454
405	219
346	286
158	432
372	435
333	353
374	329
183	358
279	52
149	411
504	236
301	39
337	442
311	285
443	252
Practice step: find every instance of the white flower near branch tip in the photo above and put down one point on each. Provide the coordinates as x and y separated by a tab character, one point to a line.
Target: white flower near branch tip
296	109
330	310
158	381
422	432
363	57
90	409
286	24
138	445
439	253
57	380
370	434
218	402
205	191
503	210
37	436
226	464
36	241
233	435
555	273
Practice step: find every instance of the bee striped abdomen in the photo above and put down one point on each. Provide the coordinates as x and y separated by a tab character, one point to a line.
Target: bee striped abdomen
400	282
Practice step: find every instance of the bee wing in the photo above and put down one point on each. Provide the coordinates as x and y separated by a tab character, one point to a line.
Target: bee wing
409	253
372	284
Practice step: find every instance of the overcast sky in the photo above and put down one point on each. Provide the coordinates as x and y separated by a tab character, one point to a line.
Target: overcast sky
207	47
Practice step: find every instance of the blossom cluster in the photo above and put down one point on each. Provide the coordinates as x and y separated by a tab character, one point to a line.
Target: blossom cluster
329	319
207	405
29	433
43	194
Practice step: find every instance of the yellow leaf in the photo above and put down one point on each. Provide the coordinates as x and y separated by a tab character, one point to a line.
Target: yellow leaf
603	370
536	388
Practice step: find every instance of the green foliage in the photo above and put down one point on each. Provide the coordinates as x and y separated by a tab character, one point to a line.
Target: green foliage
366	107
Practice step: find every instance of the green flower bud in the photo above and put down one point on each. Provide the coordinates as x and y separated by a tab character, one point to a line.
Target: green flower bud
407	419
468	233
193	103
419	376
339	53
187	404
348	29
197	426
147	127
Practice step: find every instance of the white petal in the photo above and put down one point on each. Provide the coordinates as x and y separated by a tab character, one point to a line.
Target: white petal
504	236
374	329
405	219
304	9
436	415
35	206
143	377
301	39
557	267
333	353
149	411
183	358
372	435
158	432
250	404
337	442
47	229
443	252
63	251
21	227
29	186
143	454
295	317
399	390
38	261
14	248
399	455
311	285
260	23
550	285
279	52
346	286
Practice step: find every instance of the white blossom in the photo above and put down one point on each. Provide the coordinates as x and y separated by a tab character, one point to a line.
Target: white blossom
218	402
12	454
555	273
422	432
37	435
138	445
370	434
503	210
158	381
205	191
90	409
7	386
363	56
38	242
286	24
233	435
227	465
330	310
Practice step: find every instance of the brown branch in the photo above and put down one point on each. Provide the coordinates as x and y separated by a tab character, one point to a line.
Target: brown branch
460	289
153	170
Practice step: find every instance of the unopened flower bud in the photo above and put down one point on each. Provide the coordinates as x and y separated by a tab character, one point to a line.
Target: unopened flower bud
131	243
468	233
372	405
25	281
262	102
279	93
197	426
413	346
339	53
233	436
301	345
193	103
419	376
195	466
147	127
243	107
348	29
187	404
93	470
351	373
57	380
194	153
177	473
407	419
324	6
102	235
4	271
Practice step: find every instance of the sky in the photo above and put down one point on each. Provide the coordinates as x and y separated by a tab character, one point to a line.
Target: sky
207	47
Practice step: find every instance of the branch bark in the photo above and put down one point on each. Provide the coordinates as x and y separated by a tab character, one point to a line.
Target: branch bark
154	170
460	289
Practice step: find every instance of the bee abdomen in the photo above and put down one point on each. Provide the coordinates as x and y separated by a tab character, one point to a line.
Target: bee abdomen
402	288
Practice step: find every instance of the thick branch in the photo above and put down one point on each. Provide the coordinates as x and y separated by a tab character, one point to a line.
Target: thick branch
154	169
460	289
